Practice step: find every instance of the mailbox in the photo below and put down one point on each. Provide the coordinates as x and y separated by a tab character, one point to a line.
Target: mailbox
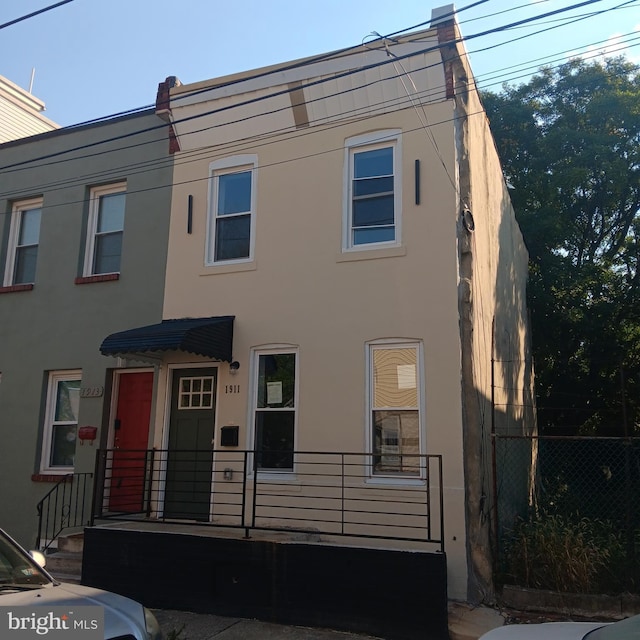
87	433
229	436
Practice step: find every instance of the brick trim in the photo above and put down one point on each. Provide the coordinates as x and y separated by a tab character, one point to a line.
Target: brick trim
14	288
101	278
447	43
48	477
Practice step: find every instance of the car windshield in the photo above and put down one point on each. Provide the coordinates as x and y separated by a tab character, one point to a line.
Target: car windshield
17	569
622	630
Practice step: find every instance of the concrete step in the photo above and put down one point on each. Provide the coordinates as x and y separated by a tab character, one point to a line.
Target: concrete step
64	563
68	577
73	543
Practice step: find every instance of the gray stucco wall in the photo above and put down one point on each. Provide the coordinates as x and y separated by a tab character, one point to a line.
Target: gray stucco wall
59	324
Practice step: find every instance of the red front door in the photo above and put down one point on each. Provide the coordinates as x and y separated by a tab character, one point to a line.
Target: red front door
130	442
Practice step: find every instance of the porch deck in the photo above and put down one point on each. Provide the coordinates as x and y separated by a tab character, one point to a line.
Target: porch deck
346	540
318	497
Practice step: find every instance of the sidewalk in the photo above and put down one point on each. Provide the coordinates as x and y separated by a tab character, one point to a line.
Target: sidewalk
465	623
182	625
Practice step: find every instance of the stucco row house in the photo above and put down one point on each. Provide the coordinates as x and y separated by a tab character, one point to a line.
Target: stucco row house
292	304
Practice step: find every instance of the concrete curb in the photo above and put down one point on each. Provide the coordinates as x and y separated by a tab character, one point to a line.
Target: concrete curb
570	604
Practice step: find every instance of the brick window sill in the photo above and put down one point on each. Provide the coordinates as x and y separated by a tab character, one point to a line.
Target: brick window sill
48	477
14	288
107	277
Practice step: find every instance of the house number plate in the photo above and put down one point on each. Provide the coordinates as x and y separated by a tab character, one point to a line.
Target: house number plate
91	392
232	388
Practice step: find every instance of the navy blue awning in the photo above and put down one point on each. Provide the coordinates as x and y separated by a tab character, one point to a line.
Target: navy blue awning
210	337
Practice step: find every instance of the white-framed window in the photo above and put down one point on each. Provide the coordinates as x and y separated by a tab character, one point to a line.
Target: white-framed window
395	413
105	229
372	201
232	210
61	421
275	401
24	237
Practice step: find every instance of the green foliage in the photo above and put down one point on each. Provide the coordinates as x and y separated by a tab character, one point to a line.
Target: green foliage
565	554
569	142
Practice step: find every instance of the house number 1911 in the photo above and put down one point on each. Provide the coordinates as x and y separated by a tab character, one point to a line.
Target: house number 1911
232	388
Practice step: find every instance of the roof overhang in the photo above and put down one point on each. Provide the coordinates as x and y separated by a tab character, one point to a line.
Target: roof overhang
209	337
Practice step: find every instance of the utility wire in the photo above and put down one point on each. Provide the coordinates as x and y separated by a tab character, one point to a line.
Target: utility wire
306	85
196	154
237	146
306	62
222	150
155	162
35	13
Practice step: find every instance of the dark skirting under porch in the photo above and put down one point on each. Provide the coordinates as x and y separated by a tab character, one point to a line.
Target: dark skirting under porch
398	595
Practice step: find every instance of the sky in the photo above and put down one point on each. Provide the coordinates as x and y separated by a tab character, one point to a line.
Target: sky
93	58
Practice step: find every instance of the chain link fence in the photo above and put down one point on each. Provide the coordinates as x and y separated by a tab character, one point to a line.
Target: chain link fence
568	512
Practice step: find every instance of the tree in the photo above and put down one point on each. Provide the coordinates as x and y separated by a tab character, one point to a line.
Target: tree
569	141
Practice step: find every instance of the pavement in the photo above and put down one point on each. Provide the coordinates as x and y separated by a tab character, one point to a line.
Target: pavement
465	623
182	625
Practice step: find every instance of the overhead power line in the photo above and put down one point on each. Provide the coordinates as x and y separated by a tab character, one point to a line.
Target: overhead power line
234	147
303	86
222	149
35	13
239	144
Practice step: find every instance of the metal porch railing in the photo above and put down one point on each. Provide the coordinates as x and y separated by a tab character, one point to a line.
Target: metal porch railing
323	493
66	506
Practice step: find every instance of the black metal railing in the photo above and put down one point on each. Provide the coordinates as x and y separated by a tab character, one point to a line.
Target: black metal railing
66	506
323	493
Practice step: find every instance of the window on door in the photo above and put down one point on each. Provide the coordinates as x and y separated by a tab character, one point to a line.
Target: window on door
275	409
61	421
23	242
395	419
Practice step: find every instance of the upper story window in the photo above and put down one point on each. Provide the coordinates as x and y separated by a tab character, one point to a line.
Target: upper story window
24	237
61	421
105	229
372	186
231	223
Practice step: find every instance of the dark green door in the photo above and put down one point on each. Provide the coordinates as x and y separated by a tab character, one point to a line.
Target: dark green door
190	457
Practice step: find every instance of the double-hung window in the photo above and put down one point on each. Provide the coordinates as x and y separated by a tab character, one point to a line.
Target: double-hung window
61	421
395	409
105	229
23	242
231	224
373	202
275	409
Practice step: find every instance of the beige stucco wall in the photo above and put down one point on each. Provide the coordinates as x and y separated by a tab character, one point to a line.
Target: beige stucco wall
302	290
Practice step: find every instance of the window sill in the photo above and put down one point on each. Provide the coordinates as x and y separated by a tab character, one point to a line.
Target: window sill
104	277
14	288
50	477
215	269
351	255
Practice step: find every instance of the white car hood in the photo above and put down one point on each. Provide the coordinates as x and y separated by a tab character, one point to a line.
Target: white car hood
546	631
120	613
